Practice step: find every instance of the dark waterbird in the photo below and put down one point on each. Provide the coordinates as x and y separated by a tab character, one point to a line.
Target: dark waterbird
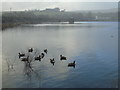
62	57
71	64
30	50
25	58
52	61
21	54
46	51
42	55
38	58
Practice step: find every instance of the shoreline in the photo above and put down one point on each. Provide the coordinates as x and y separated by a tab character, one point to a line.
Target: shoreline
11	25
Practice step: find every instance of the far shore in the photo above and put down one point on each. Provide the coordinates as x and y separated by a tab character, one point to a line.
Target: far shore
11	25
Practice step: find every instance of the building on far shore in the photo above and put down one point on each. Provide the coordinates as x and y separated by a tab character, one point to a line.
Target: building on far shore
48	10
51	10
63	10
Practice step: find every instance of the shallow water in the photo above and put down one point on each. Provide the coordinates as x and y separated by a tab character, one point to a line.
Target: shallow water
0	60
93	45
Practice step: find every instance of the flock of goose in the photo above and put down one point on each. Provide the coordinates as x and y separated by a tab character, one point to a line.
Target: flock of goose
25	58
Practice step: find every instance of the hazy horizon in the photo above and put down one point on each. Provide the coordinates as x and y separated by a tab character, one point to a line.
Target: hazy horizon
68	6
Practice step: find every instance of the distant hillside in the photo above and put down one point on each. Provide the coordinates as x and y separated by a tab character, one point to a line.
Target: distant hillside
12	18
102	11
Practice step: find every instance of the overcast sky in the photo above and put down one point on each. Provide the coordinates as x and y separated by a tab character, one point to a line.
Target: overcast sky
59	0
69	6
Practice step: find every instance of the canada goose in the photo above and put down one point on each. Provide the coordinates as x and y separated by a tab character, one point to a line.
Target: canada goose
21	54
38	58
52	61
45	51
62	57
25	58
30	50
71	64
42	55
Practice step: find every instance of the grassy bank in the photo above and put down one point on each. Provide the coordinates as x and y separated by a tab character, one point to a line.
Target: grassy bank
9	25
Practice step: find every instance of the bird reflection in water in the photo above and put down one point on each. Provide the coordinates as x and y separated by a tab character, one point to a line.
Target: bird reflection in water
10	65
29	72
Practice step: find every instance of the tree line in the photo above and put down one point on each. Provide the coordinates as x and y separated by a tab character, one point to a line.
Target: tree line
22	17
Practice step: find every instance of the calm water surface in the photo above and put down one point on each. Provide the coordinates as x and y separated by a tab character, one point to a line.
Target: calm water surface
93	45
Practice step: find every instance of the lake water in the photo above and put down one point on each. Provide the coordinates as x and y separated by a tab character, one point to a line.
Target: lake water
92	45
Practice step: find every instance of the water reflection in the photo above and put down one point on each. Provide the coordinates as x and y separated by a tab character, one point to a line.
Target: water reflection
0	59
29	72
90	45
